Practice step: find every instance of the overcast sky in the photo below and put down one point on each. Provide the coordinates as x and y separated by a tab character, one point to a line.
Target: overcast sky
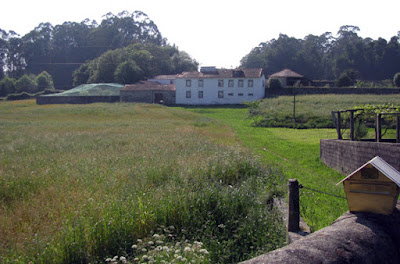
218	32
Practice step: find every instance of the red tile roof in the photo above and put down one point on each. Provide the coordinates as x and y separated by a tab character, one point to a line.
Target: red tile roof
148	86
224	73
286	73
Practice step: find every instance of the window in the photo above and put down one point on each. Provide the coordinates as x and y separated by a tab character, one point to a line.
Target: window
240	83
188	94
250	94
188	83
200	94
250	83
240	94
230	83
201	83
220	94
220	83
230	94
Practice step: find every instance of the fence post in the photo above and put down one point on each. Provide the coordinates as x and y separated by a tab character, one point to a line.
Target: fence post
351	125
397	129
378	131
294	206
338	126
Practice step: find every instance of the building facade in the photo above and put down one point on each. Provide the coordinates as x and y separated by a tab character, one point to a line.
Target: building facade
213	86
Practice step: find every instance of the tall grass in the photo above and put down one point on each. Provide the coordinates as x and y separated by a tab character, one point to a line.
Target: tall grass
82	183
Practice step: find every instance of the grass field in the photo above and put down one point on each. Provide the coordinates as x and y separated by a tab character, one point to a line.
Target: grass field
296	151
82	183
311	111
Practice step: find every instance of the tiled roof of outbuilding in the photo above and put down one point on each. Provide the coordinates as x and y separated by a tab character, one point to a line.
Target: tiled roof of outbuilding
225	73
286	73
147	86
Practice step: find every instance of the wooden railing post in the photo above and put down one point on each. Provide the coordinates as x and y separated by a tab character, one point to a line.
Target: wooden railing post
351	125
397	129
338	125
378	129
294	206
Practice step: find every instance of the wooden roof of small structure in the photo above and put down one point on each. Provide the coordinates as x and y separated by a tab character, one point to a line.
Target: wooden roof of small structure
382	166
286	73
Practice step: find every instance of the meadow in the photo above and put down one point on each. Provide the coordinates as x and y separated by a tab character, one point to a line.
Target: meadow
130	183
311	111
295	152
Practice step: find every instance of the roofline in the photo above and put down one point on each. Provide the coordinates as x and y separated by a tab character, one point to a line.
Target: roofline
377	167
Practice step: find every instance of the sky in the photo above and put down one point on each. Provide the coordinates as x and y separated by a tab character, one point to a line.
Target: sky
218	32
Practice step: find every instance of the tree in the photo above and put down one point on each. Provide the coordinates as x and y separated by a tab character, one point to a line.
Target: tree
344	81
7	86
274	83
26	83
128	72
44	81
396	79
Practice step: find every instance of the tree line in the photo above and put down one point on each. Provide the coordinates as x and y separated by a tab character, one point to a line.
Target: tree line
326	57
62	49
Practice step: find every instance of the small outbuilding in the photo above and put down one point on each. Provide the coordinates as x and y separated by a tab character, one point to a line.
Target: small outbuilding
149	92
373	188
289	78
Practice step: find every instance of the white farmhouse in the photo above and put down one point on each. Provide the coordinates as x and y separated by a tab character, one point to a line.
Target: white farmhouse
220	86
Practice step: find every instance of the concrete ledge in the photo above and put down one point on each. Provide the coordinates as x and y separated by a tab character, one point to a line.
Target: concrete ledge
352	238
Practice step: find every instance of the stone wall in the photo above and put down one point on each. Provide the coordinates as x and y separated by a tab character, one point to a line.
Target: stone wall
352	238
346	156
147	96
299	91
75	99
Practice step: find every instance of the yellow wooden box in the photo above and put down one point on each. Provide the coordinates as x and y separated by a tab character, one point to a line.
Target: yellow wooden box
373	188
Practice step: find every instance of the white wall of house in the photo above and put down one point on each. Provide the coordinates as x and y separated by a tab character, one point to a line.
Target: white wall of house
191	92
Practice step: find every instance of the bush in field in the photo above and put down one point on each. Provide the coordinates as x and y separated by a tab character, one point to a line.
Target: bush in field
44	81
274	83
396	79
7	86
26	83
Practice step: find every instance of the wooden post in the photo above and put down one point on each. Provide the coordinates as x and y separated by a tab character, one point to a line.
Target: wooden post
378	131
294	206
397	129
351	125
338	126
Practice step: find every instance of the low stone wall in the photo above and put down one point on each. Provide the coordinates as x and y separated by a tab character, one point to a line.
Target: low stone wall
311	90
346	156
76	99
352	238
149	96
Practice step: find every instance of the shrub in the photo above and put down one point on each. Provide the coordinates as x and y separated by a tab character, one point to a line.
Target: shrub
7	86
44	81
19	96
274	83
396	79
26	83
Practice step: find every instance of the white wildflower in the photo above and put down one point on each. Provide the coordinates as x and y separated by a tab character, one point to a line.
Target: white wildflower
140	241
108	259
145	257
159	242
187	249
156	236
221	226
150	243
204	251
144	250
134	246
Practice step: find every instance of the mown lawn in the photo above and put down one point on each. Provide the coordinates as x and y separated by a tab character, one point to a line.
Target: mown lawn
83	183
